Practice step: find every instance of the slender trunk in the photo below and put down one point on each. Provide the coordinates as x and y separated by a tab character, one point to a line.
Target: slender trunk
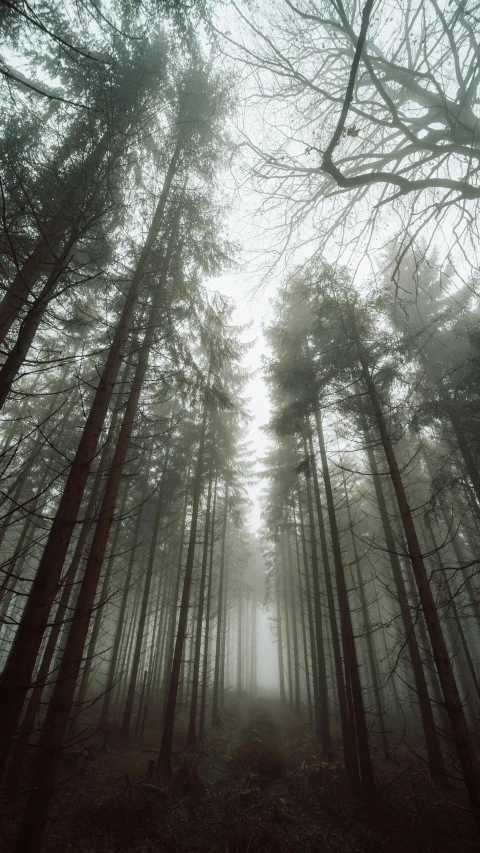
377	692
191	734
33	825
105	712
158	643
125	729
17	674
165	756
464	449
451	695
427	649
322	716
348	639
218	639
70	214
464	651
226	635
141	701
127	650
8	582
13	496
296	656
203	701
281	669
30	324
190	642
455	541
462	559
92	645
178	578
253	659
38	261
34	702
310	621
287	627
434	752
346	721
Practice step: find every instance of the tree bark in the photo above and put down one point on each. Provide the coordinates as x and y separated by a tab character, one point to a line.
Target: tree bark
451	695
40	258
203	701
346	720
92	643
434	752
30	324
288	643
348	639
125	729
322	714
308	606
17	674
281	668
178	578
218	638
165	755
377	692
192	724
105	712
296	656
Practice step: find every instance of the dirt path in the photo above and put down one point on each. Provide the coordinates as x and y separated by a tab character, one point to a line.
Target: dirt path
259	784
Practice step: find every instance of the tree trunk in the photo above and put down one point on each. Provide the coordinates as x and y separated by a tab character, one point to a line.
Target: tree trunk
30	324
125	729
14	495
105	712
240	640
128	648
191	734
92	644
178	578
310	620
56	720
281	669
296	656
218	639
19	554
159	632
464	656
464	449
203	701
165	755
451	696
34	702
253	658
346	721
434	752
322	715
141	701
288	643
17	674
377	692
40	258
226	635
348	639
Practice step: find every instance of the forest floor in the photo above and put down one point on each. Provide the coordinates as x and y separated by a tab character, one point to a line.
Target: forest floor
258	784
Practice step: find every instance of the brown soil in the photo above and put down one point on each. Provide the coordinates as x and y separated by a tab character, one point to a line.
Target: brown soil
258	784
